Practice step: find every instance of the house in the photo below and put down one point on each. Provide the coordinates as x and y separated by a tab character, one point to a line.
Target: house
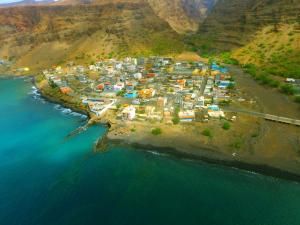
138	76
216	67
129	87
65	90
215	112
186	116
161	102
188	105
93	68
200	102
119	87
128	113
224	84
82	79
147	93
151	75
131	94
149	110
181	82
108	86
100	87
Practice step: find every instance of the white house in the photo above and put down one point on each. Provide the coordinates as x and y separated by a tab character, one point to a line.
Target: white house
128	113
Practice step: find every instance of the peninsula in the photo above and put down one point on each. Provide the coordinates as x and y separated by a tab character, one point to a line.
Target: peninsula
192	109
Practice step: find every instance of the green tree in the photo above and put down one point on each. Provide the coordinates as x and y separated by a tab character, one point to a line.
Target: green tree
226	126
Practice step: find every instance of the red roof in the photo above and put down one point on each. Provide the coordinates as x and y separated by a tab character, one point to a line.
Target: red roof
100	86
151	75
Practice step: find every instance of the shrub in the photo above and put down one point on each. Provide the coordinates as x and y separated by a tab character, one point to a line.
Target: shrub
121	93
156	131
231	86
288	89
274	83
207	133
226	126
175	120
297	99
254	135
251	69
226	58
237	144
224	103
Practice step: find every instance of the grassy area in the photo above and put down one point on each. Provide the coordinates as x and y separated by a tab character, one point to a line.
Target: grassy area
156	131
277	53
207	133
237	143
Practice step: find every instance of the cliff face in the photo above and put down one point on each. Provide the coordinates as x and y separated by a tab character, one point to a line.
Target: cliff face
182	15
232	23
41	36
84	30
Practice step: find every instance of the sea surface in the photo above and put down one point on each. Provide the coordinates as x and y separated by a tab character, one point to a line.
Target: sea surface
49	178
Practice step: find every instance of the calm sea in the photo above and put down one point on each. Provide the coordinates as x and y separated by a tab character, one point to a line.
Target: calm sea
48	178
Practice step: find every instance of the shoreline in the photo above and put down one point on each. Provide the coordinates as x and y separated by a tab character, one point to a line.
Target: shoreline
212	157
59	102
235	164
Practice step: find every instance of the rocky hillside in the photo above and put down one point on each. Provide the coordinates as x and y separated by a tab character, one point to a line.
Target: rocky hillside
233	23
263	32
183	15
39	36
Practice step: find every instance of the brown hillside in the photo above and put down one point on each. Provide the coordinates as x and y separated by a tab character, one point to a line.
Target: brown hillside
39	36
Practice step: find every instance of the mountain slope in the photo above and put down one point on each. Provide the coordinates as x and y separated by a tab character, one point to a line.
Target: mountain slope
183	15
232	23
263	32
40	36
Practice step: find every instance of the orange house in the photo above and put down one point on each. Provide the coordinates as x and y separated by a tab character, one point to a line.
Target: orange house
181	82
65	90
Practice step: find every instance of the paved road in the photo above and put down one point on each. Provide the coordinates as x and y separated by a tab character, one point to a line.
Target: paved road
279	119
203	86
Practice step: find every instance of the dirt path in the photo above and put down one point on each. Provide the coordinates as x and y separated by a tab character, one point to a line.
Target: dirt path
270	100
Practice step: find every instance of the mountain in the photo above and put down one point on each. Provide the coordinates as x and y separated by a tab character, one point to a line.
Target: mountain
232	23
41	36
182	15
263	32
26	3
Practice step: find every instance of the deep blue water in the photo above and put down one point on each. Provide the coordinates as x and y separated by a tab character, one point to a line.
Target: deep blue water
46	178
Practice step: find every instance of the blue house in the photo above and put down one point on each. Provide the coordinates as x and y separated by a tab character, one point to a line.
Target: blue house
131	94
214	66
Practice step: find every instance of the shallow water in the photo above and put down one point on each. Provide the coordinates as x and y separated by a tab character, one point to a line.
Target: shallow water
47	178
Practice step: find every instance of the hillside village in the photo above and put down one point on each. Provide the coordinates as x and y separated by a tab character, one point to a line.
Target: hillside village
153	88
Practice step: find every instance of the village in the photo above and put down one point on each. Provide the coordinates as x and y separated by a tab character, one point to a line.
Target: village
148	88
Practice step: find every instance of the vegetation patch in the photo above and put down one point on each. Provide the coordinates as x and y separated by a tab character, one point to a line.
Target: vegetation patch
207	133
226	126
156	131
297	99
288	89
238	143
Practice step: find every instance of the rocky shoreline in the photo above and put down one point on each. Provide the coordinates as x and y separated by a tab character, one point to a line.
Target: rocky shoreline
205	153
173	152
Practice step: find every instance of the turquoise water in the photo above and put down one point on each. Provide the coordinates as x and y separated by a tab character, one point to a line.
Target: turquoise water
46	178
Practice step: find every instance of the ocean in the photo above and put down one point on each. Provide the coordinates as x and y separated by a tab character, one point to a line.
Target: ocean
49	178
